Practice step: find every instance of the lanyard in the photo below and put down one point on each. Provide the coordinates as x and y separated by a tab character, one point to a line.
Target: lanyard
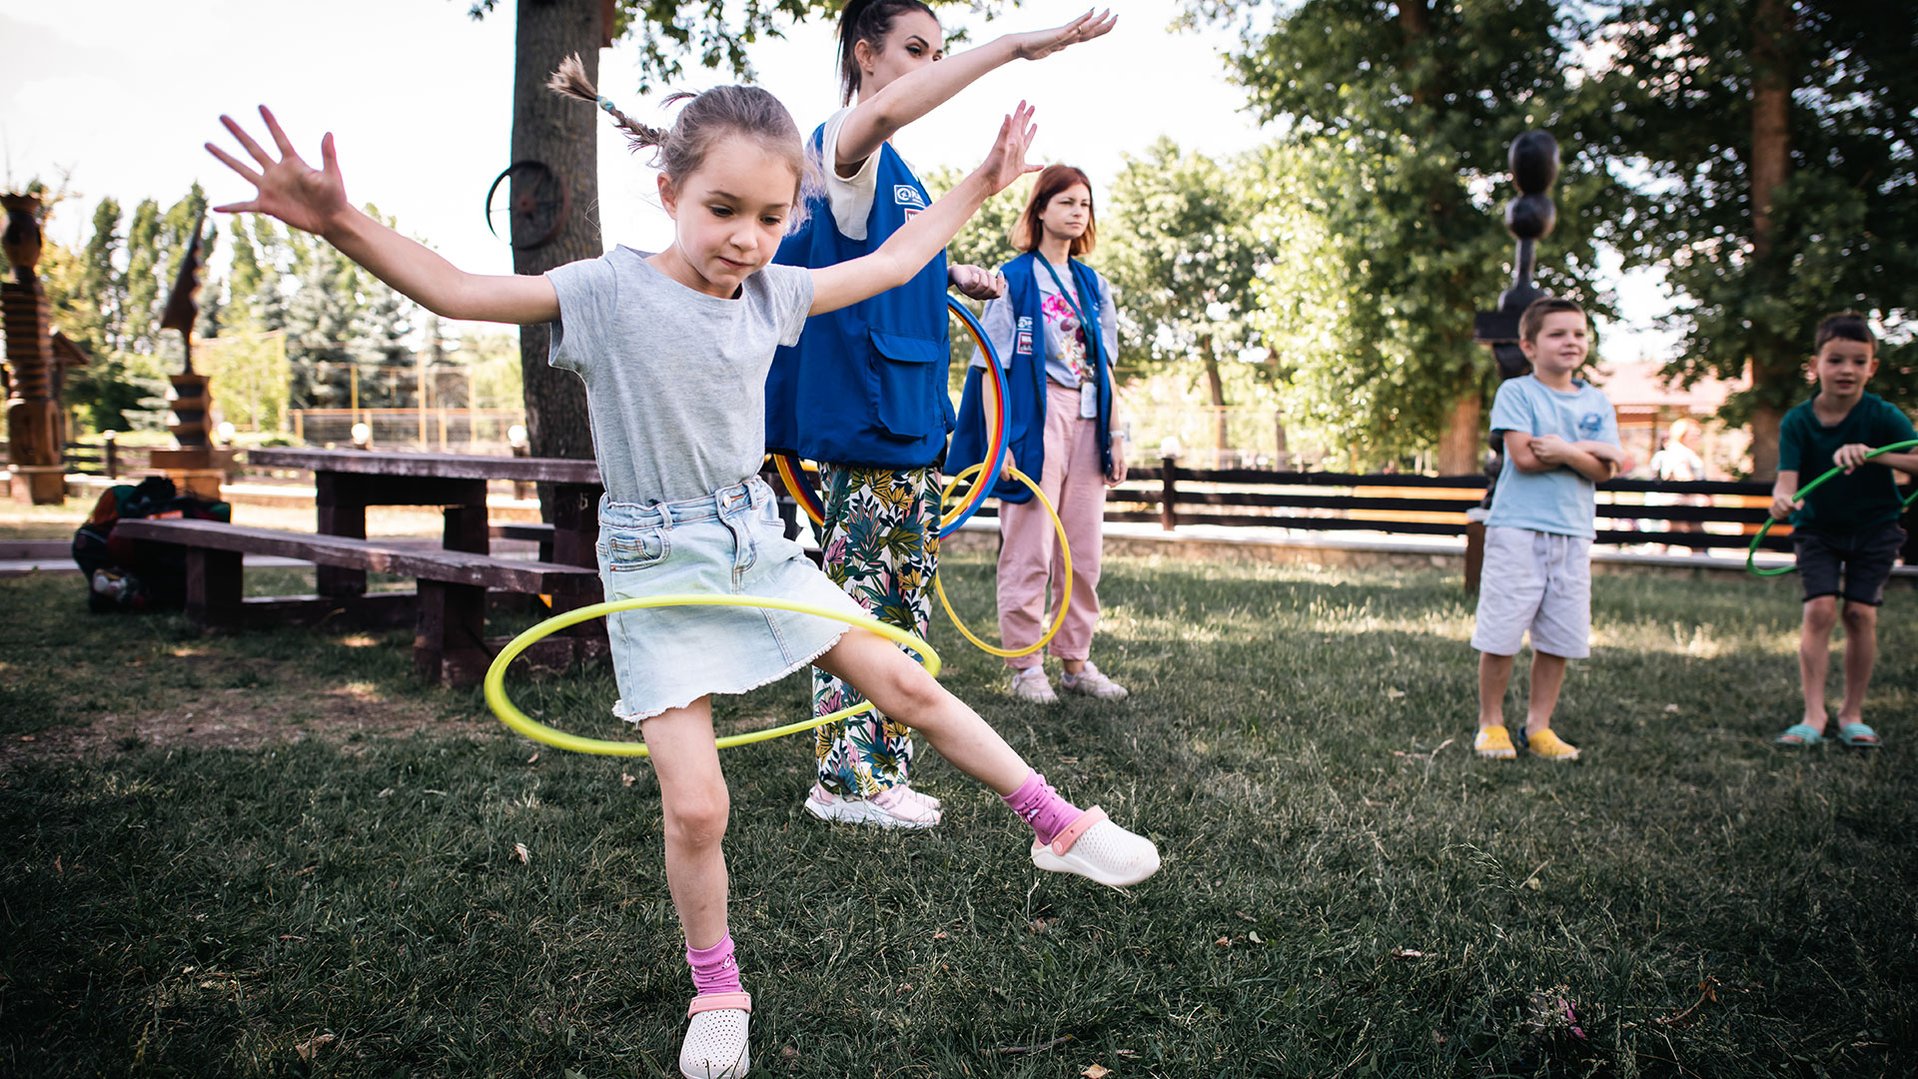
1085	327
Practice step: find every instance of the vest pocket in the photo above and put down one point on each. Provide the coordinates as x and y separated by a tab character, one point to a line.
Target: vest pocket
909	384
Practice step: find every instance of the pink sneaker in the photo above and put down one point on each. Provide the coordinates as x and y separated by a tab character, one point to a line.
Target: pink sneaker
895	807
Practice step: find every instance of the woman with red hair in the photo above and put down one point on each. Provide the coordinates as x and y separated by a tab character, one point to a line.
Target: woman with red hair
1056	333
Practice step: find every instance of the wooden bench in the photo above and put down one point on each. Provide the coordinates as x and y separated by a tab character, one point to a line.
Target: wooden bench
448	609
528	532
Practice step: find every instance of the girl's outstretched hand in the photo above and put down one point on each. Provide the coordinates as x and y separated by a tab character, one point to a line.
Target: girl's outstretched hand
1041	43
1006	161
288	188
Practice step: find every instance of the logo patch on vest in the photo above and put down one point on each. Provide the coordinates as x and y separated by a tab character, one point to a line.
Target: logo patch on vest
1023	343
908	195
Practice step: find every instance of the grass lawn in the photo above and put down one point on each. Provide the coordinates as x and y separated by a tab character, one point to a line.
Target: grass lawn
274	854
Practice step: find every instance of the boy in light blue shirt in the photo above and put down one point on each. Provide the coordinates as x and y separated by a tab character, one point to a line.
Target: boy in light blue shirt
1561	440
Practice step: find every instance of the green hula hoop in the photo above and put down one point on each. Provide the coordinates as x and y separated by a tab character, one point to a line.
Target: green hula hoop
510	715
1751	553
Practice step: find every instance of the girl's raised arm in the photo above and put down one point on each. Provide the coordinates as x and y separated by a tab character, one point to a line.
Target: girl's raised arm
917	93
314	200
908	250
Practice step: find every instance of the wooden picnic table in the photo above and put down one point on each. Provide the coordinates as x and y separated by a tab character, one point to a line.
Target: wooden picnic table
347	481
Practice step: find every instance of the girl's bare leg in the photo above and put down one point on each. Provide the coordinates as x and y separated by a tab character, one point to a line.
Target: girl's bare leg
694	803
898	686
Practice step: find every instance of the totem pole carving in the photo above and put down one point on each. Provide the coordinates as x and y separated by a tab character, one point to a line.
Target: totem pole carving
36	428
195	466
1533	159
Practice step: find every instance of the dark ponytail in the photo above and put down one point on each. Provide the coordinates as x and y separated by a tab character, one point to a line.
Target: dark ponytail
868	21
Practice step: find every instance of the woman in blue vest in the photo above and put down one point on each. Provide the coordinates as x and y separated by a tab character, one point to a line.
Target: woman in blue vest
1056	332
864	392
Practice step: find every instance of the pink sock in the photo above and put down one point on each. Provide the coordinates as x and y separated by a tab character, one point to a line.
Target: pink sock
1040	806
714	970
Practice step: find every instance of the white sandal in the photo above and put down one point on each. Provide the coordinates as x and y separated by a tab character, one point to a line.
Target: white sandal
1099	850
715	1045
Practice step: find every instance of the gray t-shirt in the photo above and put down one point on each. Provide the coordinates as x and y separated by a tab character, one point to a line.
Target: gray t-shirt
675	379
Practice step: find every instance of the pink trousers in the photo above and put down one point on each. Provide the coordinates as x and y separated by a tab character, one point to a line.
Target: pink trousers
1074	481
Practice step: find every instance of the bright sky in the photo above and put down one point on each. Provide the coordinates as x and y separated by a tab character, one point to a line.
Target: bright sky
119	95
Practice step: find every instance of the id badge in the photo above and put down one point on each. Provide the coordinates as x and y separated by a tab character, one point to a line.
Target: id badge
1088	401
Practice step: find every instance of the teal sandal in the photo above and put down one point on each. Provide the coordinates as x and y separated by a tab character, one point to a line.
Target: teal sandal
1858	736
1800	734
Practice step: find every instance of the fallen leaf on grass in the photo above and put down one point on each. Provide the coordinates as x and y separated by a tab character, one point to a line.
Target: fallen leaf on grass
627	779
533	758
1094	1071
525	856
1707	993
311	1047
1394	693
1223	942
1671	709
1410	953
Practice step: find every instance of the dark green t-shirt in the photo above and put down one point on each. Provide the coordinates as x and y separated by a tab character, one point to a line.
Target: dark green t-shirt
1867	497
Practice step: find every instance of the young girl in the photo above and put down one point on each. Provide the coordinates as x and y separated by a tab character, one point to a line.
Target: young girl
1057	335
864	392
674	348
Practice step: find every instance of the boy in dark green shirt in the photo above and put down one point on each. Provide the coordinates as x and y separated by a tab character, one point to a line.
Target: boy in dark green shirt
1846	532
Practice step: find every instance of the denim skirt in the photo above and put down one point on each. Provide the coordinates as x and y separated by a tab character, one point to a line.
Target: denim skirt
730	542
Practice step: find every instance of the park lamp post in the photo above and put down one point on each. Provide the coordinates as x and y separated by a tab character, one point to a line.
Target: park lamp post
1533	159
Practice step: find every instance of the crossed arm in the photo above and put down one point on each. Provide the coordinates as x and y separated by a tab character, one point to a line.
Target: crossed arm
1596	461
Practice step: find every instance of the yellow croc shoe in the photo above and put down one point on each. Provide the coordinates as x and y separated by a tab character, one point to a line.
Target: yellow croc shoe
1549	745
1494	744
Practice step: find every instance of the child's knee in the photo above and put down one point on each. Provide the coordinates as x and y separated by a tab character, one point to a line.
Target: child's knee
1821	613
1860	617
698	820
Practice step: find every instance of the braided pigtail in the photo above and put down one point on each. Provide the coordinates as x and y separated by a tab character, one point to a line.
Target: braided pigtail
570	80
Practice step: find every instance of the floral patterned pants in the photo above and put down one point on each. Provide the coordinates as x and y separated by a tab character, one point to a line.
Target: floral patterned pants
881	544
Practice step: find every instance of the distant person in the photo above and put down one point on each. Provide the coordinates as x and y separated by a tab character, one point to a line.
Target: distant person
1845	533
1677	461
1056	332
1561	441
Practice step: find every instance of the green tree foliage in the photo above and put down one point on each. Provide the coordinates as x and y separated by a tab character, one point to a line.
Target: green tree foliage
1398	116
1175	242
1776	147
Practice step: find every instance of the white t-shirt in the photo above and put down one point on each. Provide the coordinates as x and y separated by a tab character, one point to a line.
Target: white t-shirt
850	196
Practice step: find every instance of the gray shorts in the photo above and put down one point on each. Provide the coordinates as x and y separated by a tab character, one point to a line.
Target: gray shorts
1854	565
1536	581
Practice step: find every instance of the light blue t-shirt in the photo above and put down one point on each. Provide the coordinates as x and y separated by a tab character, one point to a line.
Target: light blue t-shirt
1560	501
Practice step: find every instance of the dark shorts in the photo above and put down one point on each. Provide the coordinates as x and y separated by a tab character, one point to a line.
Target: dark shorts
1854	565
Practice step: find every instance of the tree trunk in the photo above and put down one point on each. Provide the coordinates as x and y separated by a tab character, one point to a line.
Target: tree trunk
1221	435
559	133
1774	360
1462	441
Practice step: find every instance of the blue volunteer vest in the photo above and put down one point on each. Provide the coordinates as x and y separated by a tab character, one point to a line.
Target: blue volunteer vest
866	385
1026	380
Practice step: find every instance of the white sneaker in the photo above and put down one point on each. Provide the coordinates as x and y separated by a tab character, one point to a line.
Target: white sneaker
1093	683
1030	684
1097	849
894	807
715	1045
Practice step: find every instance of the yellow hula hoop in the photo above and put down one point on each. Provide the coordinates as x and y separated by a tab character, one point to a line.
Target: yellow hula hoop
510	715
1065	566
